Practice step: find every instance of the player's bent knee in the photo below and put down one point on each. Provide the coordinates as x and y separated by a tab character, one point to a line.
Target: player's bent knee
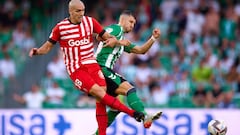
97	91
131	90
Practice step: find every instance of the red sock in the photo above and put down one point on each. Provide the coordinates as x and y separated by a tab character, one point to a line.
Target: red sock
102	119
116	104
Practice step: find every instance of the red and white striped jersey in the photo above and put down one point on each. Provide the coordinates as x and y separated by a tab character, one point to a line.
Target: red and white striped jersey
76	41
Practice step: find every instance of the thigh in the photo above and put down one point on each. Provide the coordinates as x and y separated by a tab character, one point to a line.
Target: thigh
113	81
86	76
97	74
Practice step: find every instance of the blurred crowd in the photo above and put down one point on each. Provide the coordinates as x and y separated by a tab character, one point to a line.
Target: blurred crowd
196	63
20	19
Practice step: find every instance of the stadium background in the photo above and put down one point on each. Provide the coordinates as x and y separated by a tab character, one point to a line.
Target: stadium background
194	33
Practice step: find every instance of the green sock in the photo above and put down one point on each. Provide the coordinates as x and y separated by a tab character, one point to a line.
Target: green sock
111	117
134	102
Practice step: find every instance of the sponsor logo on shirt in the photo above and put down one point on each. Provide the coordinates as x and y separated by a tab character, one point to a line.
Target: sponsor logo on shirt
84	41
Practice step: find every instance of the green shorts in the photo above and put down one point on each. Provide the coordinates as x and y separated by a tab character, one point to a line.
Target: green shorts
113	80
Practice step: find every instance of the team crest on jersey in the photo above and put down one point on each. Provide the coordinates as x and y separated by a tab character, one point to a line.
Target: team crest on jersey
100	74
109	30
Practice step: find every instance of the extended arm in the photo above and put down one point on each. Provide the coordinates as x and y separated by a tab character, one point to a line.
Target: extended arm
44	49
111	40
147	45
19	98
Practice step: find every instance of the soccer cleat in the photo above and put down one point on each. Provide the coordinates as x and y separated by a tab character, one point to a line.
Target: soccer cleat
138	116
147	122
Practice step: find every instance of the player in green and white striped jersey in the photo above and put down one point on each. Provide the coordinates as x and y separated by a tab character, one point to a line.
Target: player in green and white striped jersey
107	57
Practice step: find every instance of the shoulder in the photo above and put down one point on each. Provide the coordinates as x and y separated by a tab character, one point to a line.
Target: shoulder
63	22
114	28
89	19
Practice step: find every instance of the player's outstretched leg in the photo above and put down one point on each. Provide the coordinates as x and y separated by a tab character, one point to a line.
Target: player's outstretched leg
116	104
136	104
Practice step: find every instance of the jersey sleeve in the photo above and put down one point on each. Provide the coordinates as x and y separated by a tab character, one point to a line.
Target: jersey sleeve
97	28
55	35
129	48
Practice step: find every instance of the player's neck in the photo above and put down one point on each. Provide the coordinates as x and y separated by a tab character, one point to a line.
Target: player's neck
122	27
72	22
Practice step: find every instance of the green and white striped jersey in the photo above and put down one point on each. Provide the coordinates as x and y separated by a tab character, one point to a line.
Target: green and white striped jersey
107	56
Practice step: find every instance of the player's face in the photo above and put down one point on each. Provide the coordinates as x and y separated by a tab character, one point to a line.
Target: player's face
129	24
77	12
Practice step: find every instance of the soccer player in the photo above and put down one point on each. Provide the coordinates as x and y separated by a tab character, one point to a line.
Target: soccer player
75	36
107	57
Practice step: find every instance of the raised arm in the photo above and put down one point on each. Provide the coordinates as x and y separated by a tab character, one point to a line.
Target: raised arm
44	49
147	45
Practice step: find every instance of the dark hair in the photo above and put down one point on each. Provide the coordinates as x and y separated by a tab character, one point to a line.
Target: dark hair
127	12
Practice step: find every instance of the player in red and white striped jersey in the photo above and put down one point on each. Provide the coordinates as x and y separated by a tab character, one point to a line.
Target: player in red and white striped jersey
75	36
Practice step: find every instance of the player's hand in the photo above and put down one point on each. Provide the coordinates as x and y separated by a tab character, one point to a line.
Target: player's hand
110	42
32	52
124	42
156	33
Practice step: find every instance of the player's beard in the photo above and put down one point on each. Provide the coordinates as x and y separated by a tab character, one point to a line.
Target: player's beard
127	30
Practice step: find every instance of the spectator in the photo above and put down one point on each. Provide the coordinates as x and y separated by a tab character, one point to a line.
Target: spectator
143	75
212	21
7	67
183	86
85	101
202	73
194	47
33	99
228	24
200	96
166	48
18	35
195	22
157	71
128	69
215	95
55	95
28	41
227	101
168	84
47	81
232	77
159	96
57	68
161	24
226	63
